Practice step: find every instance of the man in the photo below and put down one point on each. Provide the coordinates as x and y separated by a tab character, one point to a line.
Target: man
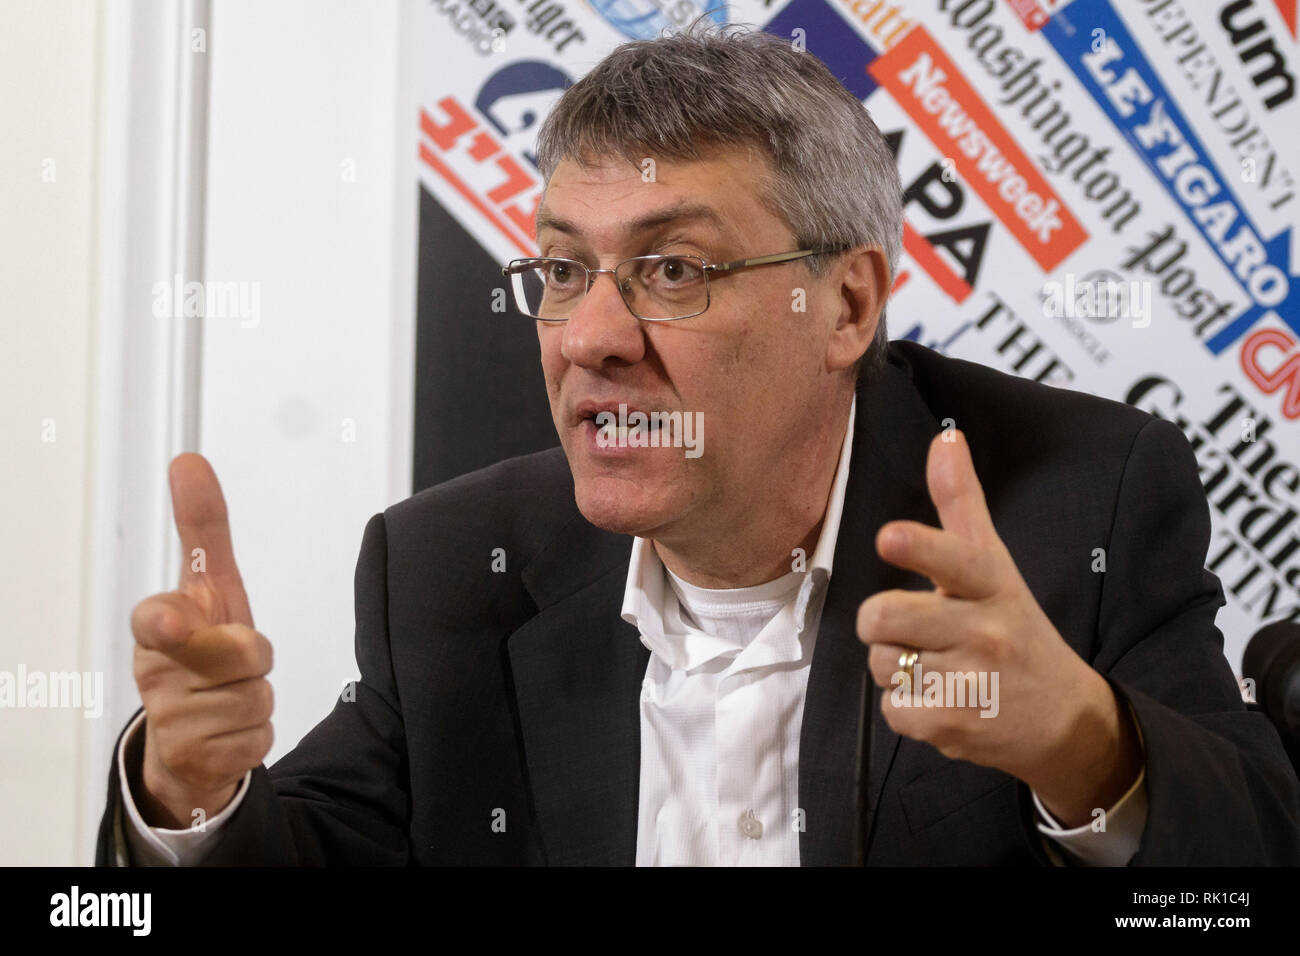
665	665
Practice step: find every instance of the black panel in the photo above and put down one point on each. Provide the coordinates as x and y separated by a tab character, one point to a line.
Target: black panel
479	393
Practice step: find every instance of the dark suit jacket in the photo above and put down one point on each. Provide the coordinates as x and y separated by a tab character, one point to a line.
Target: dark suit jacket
484	692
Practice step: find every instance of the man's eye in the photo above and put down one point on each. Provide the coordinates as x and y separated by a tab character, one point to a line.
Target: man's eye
677	271
560	273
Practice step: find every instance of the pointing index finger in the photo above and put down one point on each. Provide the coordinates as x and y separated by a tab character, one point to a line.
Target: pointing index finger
202	522
956	491
954	564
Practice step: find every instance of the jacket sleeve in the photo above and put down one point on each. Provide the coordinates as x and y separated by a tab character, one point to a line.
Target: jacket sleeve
341	797
1221	789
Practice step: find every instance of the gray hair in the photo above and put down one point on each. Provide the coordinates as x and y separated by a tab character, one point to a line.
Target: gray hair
834	179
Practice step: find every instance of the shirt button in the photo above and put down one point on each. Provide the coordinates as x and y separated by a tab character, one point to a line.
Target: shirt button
750	825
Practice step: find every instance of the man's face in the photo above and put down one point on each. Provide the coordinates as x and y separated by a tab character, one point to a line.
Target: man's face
753	364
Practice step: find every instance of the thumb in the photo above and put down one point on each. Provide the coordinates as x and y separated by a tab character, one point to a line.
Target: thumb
955	489
208	570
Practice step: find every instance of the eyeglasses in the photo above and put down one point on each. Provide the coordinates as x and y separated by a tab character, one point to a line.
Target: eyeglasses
658	288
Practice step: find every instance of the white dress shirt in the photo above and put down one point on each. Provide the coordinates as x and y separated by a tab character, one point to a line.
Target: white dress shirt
722	707
721	710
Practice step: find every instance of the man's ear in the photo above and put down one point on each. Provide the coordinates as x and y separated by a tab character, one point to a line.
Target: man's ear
864	288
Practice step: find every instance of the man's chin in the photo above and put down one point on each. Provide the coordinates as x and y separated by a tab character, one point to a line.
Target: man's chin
616	505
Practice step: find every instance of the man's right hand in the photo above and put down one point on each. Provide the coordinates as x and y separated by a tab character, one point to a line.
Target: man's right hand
200	667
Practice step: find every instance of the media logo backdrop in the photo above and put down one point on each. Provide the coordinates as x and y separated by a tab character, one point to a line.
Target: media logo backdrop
1130	168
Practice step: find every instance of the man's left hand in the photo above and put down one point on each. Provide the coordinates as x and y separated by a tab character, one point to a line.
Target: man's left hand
1054	722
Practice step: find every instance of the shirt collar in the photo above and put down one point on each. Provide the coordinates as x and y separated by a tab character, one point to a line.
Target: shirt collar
650	605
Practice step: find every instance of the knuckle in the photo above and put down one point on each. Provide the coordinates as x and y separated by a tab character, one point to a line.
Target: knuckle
182	758
148	617
972	565
881	614
208	767
239	637
864	622
266	699
254	746
160	712
994	644
231	757
140	617
252	649
878	614
151	673
256	701
266	656
986	635
266	740
239	643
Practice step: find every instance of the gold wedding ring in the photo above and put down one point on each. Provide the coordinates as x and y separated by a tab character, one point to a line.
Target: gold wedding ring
907	662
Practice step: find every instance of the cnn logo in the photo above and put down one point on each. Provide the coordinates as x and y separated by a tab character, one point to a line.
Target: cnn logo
1262	365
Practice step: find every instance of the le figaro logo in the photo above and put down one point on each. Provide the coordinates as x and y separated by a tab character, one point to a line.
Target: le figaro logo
1112	68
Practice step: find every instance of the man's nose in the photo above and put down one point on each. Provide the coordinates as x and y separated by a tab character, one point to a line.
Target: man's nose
602	331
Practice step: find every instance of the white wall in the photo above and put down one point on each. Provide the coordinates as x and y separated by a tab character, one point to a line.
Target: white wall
310	197
296	89
47	72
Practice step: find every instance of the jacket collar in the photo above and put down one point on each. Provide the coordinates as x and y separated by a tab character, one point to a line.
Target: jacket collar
886	483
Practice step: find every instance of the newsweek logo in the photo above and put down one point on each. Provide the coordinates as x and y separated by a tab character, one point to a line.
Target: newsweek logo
925	83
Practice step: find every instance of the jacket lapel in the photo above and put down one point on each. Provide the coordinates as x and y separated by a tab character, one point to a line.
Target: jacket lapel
577	669
891	439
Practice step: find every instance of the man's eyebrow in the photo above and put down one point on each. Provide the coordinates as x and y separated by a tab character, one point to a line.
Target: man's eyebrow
681	212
